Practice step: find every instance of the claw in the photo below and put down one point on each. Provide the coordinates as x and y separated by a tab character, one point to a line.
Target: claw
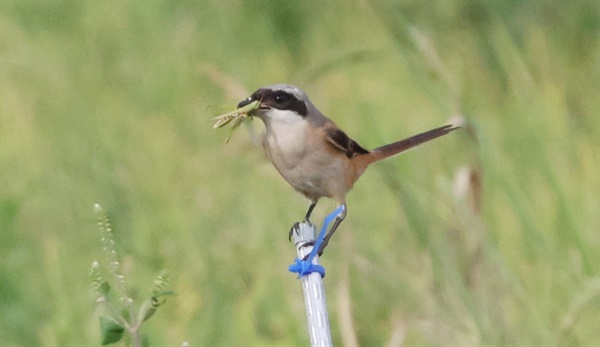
306	244
293	229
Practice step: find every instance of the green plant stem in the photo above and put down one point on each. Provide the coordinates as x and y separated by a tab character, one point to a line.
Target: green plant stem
134	325
114	313
137	336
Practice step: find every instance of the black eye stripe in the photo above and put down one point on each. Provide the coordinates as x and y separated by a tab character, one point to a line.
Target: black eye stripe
282	100
282	97
279	99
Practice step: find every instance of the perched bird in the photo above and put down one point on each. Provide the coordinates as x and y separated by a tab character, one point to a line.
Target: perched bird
312	153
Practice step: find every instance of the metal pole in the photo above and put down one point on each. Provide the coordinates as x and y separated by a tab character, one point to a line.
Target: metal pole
314	290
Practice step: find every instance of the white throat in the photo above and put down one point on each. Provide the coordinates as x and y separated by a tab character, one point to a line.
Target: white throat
276	118
286	132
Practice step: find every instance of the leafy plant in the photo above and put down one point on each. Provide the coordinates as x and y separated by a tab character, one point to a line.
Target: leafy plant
114	324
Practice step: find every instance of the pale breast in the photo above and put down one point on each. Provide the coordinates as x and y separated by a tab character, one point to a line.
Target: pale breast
304	164
285	142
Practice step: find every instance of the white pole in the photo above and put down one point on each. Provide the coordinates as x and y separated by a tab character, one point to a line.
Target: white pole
314	290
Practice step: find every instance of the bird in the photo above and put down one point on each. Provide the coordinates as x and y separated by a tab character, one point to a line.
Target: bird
312	153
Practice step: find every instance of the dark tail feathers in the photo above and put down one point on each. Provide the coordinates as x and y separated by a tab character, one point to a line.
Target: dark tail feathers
411	142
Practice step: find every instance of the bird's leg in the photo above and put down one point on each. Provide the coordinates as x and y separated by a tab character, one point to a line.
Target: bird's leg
306	219
309	212
338	220
327	237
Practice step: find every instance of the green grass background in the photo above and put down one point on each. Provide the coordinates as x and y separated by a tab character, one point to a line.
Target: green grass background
111	101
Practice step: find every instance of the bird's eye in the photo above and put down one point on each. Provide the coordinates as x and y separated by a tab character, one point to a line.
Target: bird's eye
280	98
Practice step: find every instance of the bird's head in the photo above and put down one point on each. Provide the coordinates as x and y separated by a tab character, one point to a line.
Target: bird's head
279	103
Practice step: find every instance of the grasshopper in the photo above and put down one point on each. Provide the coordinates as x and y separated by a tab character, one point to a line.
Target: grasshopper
235	117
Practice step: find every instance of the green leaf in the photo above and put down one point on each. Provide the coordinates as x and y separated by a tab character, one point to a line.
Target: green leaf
104	288
111	330
148	309
164	293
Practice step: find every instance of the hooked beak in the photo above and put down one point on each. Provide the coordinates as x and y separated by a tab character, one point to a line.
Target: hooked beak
245	102
250	100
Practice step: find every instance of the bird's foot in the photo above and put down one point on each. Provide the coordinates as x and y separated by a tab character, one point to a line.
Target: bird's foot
294	229
310	243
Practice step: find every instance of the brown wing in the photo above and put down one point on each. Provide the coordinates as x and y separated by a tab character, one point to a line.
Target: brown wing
342	142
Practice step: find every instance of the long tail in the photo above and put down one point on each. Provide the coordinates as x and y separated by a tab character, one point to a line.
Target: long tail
386	151
411	142
362	161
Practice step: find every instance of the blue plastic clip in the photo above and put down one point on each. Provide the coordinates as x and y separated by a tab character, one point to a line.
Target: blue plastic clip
305	267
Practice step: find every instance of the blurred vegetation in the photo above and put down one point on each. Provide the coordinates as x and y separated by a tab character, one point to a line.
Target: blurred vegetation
489	236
